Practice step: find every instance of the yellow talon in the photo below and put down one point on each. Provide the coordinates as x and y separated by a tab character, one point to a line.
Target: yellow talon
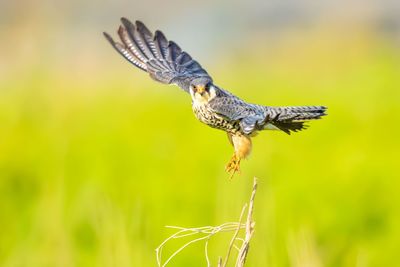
233	165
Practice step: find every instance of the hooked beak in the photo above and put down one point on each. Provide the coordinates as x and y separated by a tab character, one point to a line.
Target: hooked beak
200	89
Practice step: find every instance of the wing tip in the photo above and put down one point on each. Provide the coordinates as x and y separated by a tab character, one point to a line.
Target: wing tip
159	35
121	29
109	38
140	24
142	28
125	20
127	24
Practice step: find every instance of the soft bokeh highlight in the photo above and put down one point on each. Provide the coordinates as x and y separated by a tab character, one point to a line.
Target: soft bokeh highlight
96	158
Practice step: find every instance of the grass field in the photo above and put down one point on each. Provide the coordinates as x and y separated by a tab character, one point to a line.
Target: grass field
91	170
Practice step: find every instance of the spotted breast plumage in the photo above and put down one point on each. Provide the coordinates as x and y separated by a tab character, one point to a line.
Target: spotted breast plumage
166	63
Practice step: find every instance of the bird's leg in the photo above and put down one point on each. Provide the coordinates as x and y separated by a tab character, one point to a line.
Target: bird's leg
233	165
242	145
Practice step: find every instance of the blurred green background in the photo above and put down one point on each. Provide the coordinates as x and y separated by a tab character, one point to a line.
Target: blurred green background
96	158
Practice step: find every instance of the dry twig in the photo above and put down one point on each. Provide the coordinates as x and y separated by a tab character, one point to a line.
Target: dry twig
234	236
207	232
250	224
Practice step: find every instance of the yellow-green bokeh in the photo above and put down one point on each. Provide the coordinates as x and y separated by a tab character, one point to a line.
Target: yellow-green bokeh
95	158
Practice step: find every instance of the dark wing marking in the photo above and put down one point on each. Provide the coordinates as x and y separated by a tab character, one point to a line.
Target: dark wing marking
250	116
230	108
164	60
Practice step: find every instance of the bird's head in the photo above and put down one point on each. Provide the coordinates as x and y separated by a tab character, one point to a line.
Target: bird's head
202	90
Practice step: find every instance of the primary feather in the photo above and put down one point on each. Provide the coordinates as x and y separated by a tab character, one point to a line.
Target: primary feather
164	60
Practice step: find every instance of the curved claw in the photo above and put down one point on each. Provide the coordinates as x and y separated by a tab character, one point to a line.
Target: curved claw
233	166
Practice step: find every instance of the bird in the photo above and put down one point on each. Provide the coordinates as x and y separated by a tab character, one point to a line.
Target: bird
212	105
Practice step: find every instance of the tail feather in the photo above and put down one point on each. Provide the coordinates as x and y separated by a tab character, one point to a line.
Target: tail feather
292	119
289	127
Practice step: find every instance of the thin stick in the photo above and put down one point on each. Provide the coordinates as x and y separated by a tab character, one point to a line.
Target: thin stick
183	247
234	236
219	262
207	231
241	259
206	252
210	231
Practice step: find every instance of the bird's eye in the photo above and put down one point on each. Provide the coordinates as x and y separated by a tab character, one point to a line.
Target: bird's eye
207	87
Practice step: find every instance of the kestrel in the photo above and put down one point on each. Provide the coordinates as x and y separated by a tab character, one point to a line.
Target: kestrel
166	63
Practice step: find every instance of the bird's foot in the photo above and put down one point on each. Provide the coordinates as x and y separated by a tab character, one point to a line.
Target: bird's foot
233	166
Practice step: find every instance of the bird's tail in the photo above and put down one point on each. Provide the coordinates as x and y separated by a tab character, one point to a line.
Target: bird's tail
291	119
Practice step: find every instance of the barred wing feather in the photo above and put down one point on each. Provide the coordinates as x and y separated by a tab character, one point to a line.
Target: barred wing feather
164	60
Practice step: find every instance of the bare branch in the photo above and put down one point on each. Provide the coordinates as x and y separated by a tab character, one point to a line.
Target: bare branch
219	262
206	232
244	250
234	236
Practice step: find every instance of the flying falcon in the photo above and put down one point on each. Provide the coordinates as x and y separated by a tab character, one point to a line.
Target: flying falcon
167	63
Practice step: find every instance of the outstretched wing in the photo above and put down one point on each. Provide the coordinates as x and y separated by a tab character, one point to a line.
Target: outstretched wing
164	60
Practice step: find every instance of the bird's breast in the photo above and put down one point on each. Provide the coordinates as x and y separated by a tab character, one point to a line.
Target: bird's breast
207	116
